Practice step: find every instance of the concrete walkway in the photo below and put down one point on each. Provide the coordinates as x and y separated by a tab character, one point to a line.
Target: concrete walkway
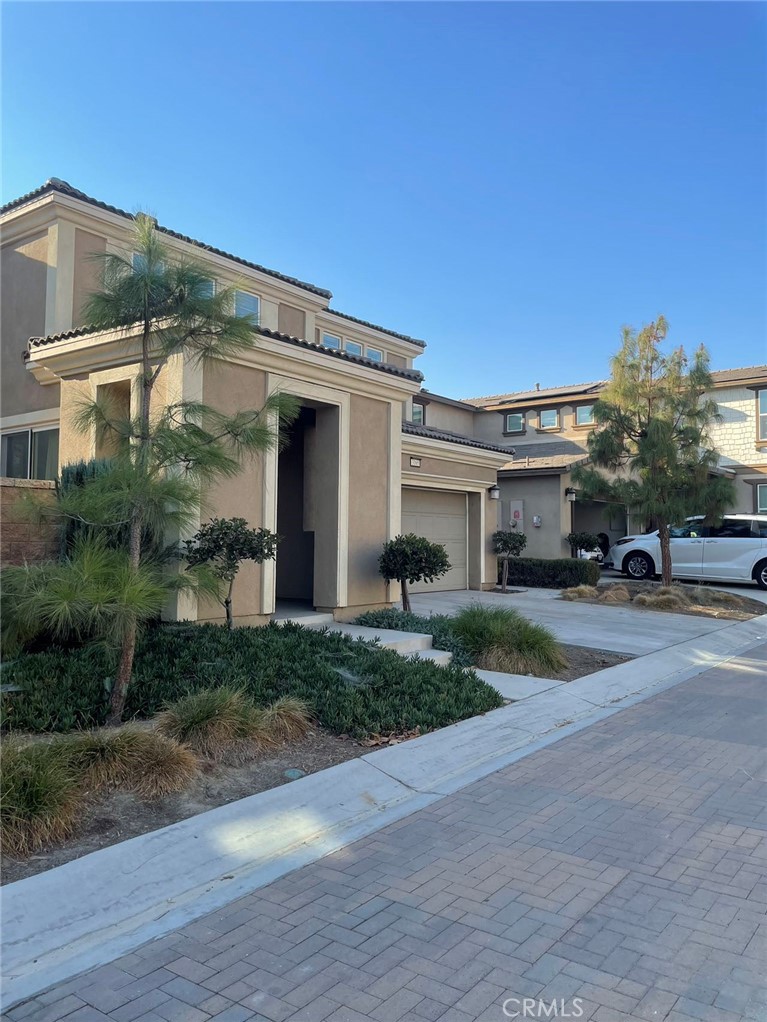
621	871
619	629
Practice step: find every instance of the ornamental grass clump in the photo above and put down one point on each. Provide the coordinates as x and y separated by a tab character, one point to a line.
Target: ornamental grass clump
225	726
580	593
133	758
40	799
500	639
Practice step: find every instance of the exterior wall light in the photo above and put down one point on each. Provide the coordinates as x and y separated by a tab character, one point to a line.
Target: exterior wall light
494	493
570	494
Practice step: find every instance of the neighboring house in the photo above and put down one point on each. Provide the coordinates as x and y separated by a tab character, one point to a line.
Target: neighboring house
358	470
548	430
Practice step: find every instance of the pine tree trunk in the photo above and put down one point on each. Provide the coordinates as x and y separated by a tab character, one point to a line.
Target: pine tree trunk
665	553
128	647
405	596
127	652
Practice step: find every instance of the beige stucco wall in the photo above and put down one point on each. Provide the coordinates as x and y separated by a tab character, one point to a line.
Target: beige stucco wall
441	416
232	388
87	272
449	469
23	279
291	320
368	498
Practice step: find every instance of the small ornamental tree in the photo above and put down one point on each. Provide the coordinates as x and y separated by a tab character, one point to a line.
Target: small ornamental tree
223	544
582	541
508	543
411	558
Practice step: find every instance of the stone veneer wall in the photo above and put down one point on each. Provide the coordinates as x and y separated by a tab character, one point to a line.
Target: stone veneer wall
21	539
735	436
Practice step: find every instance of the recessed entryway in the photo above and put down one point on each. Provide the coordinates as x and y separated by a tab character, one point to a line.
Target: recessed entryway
308	508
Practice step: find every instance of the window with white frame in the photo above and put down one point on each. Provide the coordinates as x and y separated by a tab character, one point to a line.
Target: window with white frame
374	354
419	413
331	341
515	422
548	418
584	415
247	305
30	454
761	425
206	289
761	499
352	348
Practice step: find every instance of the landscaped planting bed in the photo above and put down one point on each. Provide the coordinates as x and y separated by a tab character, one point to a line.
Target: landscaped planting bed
215	715
499	639
351	687
679	598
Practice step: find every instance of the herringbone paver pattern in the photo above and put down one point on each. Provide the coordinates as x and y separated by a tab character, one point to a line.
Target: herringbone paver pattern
625	866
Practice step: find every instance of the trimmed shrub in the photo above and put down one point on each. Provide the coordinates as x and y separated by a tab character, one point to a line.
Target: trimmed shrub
131	758
500	639
557	573
40	800
389	693
438	626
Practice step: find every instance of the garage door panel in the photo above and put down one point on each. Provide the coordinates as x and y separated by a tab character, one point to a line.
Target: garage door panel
439	516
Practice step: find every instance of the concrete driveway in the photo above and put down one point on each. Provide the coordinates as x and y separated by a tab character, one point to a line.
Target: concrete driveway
619	629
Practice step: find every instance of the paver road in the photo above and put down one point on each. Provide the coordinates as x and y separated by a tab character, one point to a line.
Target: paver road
619	873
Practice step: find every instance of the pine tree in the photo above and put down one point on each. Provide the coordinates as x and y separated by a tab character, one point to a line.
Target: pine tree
652	435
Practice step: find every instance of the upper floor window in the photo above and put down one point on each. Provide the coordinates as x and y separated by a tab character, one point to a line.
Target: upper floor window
584	415
419	413
515	422
331	341
207	288
30	454
549	418
375	354
352	348
761	425
247	304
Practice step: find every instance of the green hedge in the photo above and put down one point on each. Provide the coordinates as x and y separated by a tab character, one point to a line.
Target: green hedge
559	573
353	687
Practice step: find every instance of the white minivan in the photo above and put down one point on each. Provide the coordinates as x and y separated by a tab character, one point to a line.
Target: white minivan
733	551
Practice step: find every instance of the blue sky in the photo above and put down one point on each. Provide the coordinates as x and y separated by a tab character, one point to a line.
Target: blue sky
511	182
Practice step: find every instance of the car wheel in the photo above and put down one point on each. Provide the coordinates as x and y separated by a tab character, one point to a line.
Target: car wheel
638	566
760	574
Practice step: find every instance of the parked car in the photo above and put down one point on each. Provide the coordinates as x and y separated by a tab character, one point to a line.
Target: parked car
733	551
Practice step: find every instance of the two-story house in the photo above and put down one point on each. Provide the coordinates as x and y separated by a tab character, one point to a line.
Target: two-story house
357	471
548	429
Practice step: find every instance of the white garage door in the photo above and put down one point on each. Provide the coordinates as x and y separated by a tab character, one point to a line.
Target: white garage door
440	516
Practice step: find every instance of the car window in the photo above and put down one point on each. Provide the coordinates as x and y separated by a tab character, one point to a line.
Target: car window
692	530
732	529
